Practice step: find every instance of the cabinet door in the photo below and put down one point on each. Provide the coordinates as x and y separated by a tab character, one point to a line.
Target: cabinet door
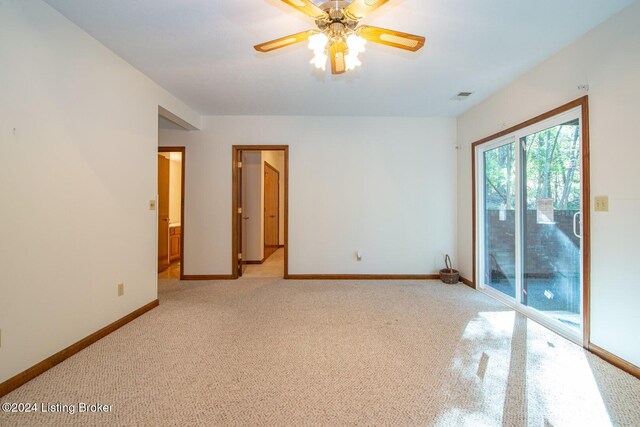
175	245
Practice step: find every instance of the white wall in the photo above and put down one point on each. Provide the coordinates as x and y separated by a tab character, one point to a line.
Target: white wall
253	204
175	189
385	186
608	59
276	159
78	133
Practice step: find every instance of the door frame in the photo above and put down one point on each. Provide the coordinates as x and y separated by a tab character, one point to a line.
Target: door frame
236	220
183	151
583	104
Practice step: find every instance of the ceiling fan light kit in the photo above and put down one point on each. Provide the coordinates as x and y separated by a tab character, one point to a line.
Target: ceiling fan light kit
338	37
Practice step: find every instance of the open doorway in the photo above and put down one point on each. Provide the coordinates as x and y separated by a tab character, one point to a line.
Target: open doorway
260	206
171	161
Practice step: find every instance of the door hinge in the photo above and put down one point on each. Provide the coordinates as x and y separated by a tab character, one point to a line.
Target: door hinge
239	165
240	256
239	210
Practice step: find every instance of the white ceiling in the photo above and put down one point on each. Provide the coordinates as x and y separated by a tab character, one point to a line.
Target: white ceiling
202	52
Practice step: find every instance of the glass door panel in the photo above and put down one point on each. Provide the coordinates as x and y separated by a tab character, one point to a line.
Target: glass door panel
529	231
499	219
551	203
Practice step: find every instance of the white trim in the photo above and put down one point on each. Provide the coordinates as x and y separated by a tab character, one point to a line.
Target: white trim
574	113
518	219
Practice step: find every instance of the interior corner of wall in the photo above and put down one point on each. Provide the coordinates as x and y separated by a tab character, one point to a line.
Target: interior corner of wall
187	118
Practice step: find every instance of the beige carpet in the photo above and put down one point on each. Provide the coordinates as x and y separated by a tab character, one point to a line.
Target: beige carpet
273	352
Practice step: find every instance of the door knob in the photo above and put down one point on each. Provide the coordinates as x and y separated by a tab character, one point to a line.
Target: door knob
272	216
245	217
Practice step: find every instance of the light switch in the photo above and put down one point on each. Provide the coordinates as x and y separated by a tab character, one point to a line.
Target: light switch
602	204
152	205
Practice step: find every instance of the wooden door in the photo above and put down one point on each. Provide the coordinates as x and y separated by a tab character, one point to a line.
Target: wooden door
271	209
163	213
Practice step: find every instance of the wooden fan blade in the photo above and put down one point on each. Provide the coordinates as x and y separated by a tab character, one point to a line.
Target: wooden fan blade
391	38
308	8
358	9
337	51
284	41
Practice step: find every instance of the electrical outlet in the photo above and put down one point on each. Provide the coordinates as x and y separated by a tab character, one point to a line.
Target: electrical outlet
120	289
602	204
152	205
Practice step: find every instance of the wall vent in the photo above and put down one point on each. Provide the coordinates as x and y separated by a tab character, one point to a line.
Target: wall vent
461	96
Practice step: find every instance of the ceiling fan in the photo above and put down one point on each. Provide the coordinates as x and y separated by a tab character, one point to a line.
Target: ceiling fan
338	35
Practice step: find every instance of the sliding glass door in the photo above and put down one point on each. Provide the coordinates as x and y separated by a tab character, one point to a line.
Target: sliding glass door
551	241
499	243
529	231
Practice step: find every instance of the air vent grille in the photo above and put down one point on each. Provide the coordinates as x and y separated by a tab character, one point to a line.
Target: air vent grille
461	96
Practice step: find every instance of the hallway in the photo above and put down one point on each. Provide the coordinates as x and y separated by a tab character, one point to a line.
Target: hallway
271	267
